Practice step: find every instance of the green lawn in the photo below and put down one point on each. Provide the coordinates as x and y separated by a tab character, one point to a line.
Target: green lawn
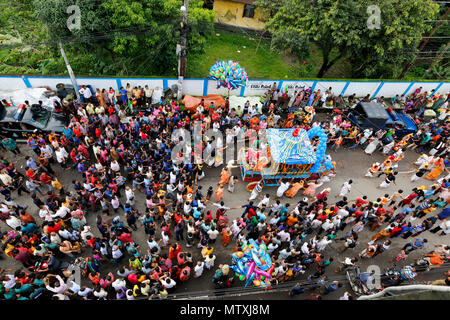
259	61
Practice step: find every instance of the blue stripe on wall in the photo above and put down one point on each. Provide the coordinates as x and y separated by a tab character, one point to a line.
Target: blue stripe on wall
26	81
437	88
119	84
241	94
205	87
345	88
280	84
378	89
165	84
407	89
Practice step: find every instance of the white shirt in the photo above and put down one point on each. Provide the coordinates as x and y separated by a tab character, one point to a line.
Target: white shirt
327	225
61	155
213	234
284	236
305	248
11	282
85	292
173	178
316	223
61	212
199	269
346	188
264	201
86	92
282	188
115	166
276	207
116	254
43	212
129	194
119	284
271	248
322	244
169	285
342	213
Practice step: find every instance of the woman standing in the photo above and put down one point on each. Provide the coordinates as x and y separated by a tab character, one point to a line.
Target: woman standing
100	99
106	96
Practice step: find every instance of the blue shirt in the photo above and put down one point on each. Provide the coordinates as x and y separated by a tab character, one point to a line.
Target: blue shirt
418	243
123	94
406	210
68	133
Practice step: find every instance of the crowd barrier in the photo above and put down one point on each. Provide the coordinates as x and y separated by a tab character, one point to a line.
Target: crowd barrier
202	87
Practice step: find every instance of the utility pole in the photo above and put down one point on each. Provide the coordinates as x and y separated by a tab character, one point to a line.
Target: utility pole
424	42
71	74
182	48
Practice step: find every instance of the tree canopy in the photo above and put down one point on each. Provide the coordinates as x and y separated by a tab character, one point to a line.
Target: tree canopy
137	36
340	29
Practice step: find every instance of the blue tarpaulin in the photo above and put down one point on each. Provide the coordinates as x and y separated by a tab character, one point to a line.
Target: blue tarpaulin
285	148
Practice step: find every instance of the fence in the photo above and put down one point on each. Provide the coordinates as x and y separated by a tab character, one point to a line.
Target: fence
199	87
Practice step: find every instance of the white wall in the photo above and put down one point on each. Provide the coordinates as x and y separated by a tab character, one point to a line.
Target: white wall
391	89
192	87
12	83
445	88
294	85
254	87
258	87
426	86
152	83
212	89
361	89
336	86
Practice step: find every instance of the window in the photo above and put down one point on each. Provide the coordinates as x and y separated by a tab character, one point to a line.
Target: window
12	126
249	11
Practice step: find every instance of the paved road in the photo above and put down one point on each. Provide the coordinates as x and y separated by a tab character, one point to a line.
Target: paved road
353	166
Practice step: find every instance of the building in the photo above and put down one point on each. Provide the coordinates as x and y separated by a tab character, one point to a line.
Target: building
240	13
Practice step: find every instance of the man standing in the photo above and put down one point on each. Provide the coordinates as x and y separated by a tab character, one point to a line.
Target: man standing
86	92
10	144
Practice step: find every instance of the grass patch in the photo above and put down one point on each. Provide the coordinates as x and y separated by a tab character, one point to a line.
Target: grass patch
260	62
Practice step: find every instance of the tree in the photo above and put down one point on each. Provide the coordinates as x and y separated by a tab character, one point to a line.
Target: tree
53	13
289	40
384	52
159	21
127	36
339	28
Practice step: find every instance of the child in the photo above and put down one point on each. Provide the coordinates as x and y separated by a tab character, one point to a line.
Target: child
209	193
189	239
165	238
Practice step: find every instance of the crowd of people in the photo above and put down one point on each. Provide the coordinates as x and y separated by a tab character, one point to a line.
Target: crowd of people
123	160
